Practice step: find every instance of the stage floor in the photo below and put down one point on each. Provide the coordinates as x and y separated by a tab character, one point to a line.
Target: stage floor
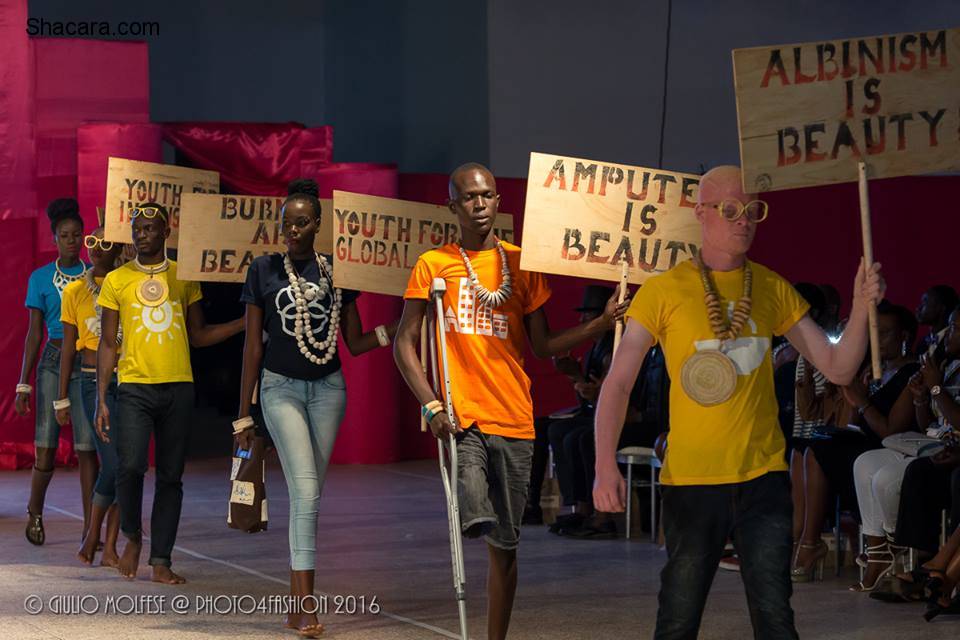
383	533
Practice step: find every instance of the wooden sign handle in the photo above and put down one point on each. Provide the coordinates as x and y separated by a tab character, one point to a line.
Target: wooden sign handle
423	362
867	264
618	330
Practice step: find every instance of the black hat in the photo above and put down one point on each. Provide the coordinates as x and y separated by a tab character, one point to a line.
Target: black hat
595	298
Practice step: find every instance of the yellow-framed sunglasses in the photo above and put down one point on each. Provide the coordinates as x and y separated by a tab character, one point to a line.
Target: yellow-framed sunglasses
732	209
146	212
91	242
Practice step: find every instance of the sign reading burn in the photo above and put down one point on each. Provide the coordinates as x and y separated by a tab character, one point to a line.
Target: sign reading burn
585	218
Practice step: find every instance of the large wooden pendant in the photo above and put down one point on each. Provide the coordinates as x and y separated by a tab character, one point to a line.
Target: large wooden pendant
152	292
709	377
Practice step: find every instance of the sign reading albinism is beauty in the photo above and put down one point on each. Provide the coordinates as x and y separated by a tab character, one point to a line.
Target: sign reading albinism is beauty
131	183
376	241
222	234
808	113
585	218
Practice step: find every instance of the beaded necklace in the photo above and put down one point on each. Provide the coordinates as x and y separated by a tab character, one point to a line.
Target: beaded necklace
484	296
302	316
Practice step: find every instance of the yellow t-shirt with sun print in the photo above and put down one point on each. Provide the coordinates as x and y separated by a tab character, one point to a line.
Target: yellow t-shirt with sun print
156	348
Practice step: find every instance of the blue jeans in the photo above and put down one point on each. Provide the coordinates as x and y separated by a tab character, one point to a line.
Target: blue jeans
697	520
105	491
303	417
46	430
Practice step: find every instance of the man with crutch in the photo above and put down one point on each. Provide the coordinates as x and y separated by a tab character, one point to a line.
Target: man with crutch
488	308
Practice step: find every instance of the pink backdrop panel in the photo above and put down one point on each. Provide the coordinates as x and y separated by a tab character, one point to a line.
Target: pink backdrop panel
17	196
78	81
96	143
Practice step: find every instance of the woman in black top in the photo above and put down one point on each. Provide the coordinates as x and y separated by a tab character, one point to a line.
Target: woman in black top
302	391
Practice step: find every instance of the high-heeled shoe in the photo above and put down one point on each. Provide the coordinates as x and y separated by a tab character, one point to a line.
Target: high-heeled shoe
935	608
814	569
35	533
877	554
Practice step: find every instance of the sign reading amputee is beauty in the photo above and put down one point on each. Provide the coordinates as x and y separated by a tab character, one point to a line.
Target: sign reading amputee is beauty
808	113
376	241
131	183
222	234
585	218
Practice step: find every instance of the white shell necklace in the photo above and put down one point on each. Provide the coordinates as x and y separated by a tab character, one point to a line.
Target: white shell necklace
302	317
484	296
61	279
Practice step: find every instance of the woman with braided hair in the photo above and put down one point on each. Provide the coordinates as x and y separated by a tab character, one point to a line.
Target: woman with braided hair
44	291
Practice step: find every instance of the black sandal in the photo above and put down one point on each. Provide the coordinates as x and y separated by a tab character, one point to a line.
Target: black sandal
35	533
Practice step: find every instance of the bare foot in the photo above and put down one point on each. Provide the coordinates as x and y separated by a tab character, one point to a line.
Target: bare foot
166	576
130	560
305	624
110	558
87	550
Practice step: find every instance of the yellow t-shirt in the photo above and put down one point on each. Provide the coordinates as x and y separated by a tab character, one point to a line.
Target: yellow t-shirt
739	439
155	348
77	308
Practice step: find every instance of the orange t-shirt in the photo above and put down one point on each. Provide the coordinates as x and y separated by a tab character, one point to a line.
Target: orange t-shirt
484	346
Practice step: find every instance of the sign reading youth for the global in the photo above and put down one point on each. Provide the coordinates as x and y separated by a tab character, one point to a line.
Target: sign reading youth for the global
808	113
131	183
377	240
586	218
222	234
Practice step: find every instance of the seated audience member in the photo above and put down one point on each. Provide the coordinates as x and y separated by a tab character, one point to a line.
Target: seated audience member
646	419
879	474
831	312
935	305
942	577
786	362
858	419
595	298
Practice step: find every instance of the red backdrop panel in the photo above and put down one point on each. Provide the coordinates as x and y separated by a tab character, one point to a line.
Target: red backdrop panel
96	143
252	158
78	81
17	197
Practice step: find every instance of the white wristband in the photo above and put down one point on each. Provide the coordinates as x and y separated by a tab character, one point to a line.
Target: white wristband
63	403
382	336
24	388
242	424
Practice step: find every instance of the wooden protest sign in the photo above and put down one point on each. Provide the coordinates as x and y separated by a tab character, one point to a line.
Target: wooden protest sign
222	234
808	113
377	240
130	183
585	218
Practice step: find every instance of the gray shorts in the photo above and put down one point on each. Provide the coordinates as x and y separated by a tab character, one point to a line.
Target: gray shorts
494	476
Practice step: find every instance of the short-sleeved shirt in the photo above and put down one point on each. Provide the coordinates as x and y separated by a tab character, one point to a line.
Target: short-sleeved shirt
484	346
740	439
78	309
44	290
268	287
156	347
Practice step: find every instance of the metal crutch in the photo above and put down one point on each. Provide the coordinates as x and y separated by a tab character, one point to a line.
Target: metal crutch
447	449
